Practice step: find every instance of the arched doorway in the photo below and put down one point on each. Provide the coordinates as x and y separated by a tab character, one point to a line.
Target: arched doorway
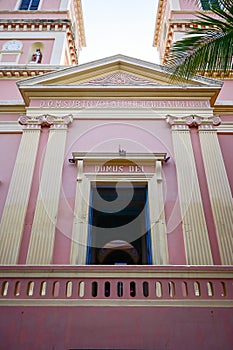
118	252
118	257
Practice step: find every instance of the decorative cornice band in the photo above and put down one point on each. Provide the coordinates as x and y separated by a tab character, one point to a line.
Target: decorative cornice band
45	120
26	71
35	25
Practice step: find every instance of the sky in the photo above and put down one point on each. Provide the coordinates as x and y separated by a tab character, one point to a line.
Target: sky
119	27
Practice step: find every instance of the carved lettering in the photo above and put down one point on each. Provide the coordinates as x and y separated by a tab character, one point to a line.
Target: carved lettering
114	103
118	168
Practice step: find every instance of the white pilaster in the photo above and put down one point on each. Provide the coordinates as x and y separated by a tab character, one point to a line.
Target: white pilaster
80	223
44	224
157	218
219	190
194	226
12	223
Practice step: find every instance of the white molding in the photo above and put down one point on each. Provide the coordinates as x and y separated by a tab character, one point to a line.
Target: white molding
225	128
10	127
64	5
123	113
224	103
175	5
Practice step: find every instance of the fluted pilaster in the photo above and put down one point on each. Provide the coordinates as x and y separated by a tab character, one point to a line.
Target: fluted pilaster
194	226
44	224
12	223
157	217
80	223
219	190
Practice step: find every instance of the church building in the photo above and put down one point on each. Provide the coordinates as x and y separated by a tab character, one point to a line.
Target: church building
116	190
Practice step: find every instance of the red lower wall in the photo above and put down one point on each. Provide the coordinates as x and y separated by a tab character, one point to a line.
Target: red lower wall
157	328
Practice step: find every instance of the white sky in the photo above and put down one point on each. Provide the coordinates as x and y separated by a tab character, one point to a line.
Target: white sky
119	27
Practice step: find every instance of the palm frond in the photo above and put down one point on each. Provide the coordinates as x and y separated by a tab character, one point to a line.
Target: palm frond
207	46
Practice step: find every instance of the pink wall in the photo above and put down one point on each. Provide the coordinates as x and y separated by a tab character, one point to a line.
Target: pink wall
189	5
9	144
25	56
226	144
7	5
46	51
9	117
50	5
226	91
63	235
9	90
205	196
32	15
173	216
132	135
154	328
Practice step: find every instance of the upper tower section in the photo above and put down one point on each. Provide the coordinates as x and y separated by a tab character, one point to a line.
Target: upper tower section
46	32
174	18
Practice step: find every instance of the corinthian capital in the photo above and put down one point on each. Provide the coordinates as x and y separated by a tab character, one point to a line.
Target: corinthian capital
45	120
193	120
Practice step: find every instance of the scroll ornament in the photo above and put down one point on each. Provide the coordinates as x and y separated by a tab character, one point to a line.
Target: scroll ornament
45	120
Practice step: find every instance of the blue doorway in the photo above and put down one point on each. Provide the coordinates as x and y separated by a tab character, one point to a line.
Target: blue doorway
119	225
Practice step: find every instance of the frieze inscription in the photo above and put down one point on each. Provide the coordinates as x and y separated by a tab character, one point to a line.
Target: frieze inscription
118	103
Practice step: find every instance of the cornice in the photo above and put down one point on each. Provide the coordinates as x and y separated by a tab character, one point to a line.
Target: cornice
160	12
223	109
25	71
32	24
20	108
157	92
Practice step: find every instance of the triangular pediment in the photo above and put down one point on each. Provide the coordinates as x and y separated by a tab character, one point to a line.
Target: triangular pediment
120	78
118	70
119	74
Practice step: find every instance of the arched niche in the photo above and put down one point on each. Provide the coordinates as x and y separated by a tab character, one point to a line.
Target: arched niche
35	46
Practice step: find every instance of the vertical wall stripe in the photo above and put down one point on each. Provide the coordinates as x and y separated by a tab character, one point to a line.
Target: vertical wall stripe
157	218
195	232
80	224
220	192
44	224
12	223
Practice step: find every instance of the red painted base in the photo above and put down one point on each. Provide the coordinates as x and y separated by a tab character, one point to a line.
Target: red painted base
157	328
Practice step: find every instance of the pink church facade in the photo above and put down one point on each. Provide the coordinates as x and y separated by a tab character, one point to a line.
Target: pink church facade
116	194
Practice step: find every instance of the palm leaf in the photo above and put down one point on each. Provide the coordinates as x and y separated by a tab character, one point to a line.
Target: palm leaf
209	46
